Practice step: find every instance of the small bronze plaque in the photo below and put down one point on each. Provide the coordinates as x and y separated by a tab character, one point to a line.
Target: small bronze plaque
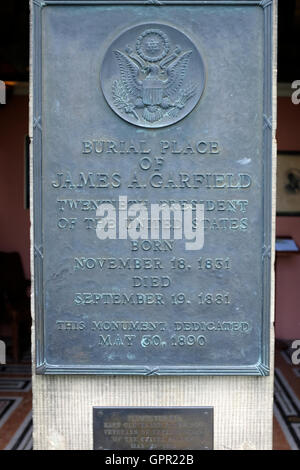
153	428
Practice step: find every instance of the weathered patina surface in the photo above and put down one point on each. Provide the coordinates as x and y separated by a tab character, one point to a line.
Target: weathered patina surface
159	104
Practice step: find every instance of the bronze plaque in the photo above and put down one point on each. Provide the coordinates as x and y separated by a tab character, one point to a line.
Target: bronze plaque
137	106
188	428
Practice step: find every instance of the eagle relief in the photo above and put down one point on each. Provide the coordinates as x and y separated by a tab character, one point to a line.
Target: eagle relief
152	75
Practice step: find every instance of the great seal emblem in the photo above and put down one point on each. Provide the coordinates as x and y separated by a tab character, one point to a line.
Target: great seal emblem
152	75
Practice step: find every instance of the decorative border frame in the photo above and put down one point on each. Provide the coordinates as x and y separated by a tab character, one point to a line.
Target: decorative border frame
261	368
289	153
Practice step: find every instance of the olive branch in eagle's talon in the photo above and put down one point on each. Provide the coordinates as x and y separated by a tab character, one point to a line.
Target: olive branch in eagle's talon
121	99
184	96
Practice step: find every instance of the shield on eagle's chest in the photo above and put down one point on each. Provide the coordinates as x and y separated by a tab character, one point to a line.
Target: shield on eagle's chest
152	92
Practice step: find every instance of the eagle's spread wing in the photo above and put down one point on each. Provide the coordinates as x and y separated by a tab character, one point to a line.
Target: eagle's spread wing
176	73
129	73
